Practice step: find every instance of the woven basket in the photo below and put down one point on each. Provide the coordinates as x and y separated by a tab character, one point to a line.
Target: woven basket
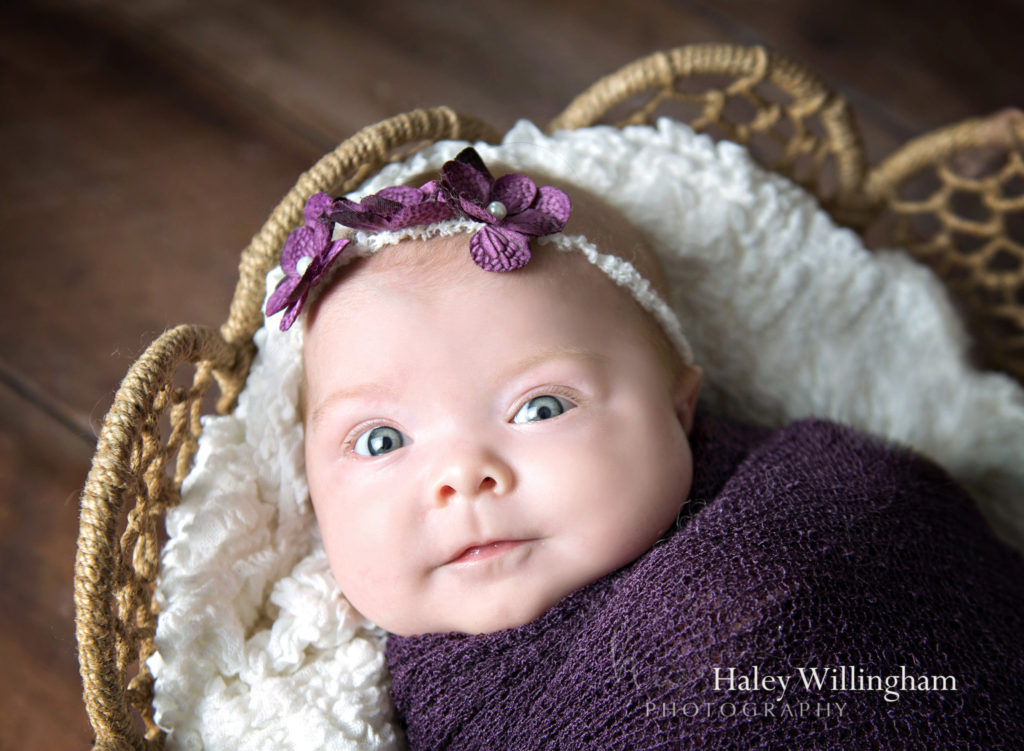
954	198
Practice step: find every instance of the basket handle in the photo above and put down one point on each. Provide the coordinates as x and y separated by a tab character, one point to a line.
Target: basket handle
659	75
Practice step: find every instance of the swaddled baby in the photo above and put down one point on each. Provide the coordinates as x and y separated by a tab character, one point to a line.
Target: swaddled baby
509	476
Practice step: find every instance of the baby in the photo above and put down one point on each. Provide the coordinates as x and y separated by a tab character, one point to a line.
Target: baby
502	449
480	444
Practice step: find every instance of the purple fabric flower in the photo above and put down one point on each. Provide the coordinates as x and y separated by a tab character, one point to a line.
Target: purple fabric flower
392	208
307	255
512	206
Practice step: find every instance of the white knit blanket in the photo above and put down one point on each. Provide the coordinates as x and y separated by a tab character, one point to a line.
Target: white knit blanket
789	315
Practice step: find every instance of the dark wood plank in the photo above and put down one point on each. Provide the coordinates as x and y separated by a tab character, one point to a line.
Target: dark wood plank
42	468
128	200
907	67
330	68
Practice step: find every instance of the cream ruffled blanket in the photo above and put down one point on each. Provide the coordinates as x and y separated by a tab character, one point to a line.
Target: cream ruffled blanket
789	316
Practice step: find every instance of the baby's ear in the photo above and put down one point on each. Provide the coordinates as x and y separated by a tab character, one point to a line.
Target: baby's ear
687	389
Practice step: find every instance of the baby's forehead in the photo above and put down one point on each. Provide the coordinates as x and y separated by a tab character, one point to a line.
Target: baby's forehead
441	268
424	266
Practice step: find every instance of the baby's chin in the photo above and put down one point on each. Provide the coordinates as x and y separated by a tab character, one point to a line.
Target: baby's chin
515	615
483	618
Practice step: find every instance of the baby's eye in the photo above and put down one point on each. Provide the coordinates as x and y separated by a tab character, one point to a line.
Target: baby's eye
542	408
379	440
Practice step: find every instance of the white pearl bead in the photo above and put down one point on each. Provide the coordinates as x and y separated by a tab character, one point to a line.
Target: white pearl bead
302	264
497	210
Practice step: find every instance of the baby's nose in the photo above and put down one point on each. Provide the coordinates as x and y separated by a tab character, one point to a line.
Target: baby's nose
472	472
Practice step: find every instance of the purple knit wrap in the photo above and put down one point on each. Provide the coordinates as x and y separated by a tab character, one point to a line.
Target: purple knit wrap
810	547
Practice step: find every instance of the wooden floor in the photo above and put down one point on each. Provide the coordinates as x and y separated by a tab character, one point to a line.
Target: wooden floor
144	142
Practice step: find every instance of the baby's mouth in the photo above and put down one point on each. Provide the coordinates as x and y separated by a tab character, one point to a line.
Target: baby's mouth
480	551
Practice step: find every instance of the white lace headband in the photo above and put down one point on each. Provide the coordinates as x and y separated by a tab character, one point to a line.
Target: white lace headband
500	215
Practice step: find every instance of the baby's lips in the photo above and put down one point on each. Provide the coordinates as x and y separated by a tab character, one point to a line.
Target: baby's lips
481	550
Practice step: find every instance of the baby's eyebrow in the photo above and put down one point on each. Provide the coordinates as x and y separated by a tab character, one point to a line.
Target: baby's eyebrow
348	392
554	353
532	360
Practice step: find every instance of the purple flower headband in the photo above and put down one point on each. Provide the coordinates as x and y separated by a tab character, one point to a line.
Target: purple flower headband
513	209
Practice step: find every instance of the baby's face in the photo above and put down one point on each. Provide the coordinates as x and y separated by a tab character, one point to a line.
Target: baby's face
479	444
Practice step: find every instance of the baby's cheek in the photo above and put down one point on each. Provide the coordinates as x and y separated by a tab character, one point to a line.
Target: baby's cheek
359	577
676	475
663	475
338	530
333	539
365	554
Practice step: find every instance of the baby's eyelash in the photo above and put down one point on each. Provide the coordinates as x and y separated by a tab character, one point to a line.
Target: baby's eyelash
349	442
565	392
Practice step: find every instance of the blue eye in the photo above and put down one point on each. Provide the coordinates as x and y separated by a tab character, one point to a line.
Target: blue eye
541	408
380	440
